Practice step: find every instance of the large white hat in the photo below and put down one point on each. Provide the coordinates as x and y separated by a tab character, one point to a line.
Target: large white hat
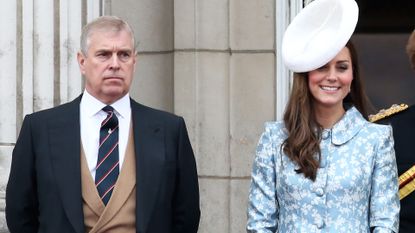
318	33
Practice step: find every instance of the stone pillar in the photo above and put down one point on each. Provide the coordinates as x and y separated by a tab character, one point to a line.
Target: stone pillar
224	86
8	55
152	22
70	80
202	96
43	54
213	62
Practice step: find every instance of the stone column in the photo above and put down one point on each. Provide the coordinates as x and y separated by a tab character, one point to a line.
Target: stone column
202	96
43	54
152	22
8	54
224	86
70	81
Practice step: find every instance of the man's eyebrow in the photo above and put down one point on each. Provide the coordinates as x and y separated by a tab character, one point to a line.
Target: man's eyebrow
103	50
110	50
125	50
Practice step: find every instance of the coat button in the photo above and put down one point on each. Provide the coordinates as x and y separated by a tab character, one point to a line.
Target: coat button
320	224
325	134
319	192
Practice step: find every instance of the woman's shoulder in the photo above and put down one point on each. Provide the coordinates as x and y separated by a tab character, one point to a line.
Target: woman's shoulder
378	127
378	131
274	127
273	131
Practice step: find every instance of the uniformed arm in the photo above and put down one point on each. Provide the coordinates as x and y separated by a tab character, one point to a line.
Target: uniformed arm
187	208
384	199
262	203
21	194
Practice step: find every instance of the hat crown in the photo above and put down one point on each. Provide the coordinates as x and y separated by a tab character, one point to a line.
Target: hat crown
318	33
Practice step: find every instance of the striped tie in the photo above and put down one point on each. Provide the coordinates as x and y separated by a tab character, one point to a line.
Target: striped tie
107	169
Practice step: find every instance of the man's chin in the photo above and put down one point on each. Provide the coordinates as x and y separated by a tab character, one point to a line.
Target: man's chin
114	95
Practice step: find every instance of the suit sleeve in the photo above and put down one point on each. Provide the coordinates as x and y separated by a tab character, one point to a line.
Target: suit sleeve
384	199
186	201
21	193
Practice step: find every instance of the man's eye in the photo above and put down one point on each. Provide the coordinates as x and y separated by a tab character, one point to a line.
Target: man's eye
103	55
124	56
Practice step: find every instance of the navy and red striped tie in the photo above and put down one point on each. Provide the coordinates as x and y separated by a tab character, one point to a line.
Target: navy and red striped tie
107	169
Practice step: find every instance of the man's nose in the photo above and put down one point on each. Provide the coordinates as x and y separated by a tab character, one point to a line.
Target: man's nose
115	62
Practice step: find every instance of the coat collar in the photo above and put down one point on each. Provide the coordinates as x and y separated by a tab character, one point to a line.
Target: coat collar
348	126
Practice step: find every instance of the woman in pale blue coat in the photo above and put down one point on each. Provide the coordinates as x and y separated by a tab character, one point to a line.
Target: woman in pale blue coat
325	168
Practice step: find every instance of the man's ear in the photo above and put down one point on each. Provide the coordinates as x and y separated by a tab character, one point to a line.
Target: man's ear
81	61
135	59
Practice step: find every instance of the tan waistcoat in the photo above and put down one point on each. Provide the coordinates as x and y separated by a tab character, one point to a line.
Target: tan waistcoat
119	214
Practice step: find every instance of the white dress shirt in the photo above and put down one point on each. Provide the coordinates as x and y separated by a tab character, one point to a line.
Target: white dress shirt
91	116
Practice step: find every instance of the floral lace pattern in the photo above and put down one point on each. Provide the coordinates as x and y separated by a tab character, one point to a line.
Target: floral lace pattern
356	188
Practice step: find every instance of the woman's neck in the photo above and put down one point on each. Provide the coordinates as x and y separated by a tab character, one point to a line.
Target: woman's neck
327	117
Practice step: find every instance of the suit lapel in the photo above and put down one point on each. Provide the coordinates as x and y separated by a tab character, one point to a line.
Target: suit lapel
150	156
64	138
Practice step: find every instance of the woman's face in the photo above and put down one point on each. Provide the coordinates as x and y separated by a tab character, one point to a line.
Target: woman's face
330	84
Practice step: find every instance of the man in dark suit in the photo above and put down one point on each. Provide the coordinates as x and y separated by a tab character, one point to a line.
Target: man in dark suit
402	119
103	162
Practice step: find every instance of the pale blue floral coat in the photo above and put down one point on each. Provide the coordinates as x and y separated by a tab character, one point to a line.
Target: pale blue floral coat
356	188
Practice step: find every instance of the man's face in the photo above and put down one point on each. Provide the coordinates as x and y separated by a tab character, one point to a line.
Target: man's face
109	65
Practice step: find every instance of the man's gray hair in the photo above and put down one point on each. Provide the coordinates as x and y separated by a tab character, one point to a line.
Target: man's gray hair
105	24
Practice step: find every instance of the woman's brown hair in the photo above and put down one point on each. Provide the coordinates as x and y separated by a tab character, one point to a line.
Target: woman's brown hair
302	145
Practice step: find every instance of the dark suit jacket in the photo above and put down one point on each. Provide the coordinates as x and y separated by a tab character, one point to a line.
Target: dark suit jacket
44	189
403	124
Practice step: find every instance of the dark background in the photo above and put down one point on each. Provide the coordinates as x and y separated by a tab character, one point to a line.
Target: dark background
390	16
380	38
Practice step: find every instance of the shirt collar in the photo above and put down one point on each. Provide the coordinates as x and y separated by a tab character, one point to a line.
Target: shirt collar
91	105
348	126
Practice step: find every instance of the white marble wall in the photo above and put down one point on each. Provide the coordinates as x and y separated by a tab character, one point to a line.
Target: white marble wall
224	76
212	62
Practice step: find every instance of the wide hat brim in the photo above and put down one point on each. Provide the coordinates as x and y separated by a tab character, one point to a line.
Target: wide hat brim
318	33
